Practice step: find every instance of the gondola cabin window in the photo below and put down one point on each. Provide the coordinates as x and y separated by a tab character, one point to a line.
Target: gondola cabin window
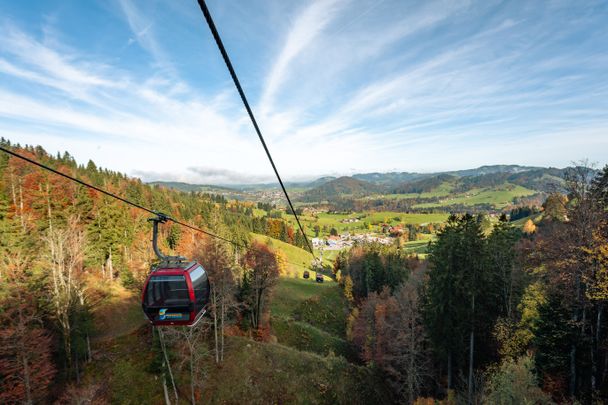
200	284
167	290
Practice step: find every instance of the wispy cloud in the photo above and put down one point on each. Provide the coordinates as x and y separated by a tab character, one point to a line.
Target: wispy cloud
204	175
144	35
337	85
307	26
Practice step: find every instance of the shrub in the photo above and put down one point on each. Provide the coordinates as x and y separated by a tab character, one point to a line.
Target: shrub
515	383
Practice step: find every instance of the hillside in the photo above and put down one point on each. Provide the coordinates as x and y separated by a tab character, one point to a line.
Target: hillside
396	178
390	178
405	191
425	185
310	362
340	187
485	188
180	186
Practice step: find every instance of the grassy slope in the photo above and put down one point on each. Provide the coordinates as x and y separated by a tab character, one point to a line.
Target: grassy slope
308	364
265	373
118	313
252	372
443	190
498	197
299	259
124	369
417	246
307	315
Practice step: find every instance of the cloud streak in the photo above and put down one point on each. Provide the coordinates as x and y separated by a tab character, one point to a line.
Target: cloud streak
337	84
306	28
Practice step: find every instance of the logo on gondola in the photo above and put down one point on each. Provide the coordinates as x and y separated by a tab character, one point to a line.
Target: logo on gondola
163	315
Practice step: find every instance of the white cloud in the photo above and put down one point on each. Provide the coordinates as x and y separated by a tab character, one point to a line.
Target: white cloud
308	26
365	85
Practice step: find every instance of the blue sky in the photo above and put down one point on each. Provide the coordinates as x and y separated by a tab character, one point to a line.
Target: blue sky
338	86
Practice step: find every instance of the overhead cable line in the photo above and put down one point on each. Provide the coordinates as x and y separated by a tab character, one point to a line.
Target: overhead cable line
141	207
235	79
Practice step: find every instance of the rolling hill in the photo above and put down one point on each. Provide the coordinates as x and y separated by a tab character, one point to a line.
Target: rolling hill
340	187
176	185
494	186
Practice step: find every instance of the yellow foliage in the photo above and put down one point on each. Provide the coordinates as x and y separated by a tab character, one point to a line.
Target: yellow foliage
529	227
598	286
348	289
281	262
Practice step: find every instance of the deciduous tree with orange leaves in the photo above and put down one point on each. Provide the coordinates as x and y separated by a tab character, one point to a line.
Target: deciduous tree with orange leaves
260	275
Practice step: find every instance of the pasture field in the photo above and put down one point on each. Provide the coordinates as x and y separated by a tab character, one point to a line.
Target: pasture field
390	217
419	247
496	197
330	220
443	190
329	256
299	259
291	292
307	315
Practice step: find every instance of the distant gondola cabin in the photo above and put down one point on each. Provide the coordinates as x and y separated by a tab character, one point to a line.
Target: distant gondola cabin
176	293
306	274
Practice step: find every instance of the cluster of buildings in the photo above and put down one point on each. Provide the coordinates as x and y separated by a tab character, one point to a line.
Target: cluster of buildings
349	220
347	240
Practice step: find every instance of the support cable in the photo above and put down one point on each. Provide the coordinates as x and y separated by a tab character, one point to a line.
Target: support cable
235	79
138	206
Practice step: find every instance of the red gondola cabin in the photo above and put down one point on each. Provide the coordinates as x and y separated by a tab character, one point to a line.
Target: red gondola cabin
176	293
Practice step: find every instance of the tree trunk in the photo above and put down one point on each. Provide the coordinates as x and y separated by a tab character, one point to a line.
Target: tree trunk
77	369
412	354
164	349
24	361
110	265
165	391
598	336
26	379
21	207
449	369
258	308
90	356
471	354
217	358
192	374
48	204
223	307
572	385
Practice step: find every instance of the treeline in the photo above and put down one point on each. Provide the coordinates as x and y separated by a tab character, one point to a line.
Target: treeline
62	245
492	317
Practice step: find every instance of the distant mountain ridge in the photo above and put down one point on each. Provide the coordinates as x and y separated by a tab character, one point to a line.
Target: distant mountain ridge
177	185
394	182
404	177
536	179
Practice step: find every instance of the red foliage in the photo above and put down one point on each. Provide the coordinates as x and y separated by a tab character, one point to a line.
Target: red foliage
26	369
259	257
